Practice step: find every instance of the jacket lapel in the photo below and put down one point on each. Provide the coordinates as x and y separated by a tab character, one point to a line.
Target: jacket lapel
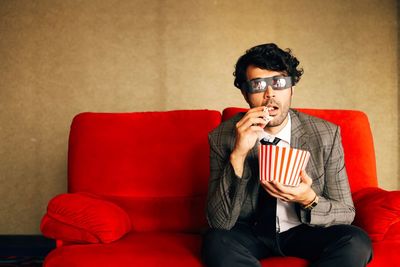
299	136
299	139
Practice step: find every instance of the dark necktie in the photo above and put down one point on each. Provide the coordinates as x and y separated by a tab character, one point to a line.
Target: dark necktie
266	215
266	208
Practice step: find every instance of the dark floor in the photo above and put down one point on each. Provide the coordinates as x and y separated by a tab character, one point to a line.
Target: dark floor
13	261
24	250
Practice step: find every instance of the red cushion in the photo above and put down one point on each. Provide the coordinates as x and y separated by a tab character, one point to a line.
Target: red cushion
85	218
56	229
357	143
378	213
134	249
145	249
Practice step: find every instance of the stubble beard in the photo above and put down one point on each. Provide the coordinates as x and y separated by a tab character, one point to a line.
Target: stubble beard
278	120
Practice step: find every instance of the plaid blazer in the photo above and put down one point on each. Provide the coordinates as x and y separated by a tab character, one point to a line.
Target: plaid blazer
231	198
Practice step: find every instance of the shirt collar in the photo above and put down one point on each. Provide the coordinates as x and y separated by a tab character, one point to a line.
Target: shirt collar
283	134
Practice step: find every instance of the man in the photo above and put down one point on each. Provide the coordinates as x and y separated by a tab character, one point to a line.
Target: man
310	221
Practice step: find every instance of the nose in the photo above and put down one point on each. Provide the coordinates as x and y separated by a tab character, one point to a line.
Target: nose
269	93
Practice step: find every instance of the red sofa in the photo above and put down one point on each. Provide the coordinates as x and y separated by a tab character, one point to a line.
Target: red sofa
137	185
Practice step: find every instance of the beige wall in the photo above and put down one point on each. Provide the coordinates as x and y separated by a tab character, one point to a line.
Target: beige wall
59	58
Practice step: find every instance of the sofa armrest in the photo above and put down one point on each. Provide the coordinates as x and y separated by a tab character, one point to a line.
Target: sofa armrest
84	218
378	213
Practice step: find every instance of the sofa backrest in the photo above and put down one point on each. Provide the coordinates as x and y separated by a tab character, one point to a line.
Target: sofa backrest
356	139
155	165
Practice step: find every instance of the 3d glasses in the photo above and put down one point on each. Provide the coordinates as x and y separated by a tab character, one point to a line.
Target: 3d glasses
261	84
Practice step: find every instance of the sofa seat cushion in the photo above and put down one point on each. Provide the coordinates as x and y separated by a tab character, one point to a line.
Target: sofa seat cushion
134	249
172	249
144	249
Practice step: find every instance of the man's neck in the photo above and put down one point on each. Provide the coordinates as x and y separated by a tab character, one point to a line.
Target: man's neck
276	129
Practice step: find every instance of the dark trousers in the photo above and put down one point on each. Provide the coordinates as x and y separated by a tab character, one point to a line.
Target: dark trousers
338	245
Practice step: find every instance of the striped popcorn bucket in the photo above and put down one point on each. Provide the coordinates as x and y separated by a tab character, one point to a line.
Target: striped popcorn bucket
282	164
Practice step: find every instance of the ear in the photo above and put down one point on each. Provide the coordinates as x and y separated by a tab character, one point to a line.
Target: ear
292	90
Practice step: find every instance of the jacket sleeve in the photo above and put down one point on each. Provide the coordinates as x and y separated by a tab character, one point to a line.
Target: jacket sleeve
335	204
226	191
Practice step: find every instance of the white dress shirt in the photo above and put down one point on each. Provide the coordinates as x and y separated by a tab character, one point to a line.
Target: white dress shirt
286	216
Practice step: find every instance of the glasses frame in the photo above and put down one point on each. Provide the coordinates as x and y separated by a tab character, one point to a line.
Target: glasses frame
278	82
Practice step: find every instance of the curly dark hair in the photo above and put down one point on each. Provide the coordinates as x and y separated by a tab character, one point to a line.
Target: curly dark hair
268	57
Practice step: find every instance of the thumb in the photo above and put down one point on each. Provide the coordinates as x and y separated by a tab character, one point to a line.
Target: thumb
305	178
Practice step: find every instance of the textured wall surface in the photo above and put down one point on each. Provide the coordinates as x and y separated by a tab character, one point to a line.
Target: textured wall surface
59	58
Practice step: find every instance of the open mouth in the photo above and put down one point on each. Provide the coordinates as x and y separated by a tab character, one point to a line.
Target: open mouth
272	110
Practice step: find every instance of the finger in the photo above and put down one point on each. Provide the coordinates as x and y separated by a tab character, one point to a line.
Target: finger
249	119
262	114
252	122
288	193
305	178
255	128
253	111
278	196
257	112
270	187
275	195
271	192
256	109
284	189
245	120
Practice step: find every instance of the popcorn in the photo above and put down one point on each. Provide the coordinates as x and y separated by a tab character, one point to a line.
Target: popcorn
267	118
282	164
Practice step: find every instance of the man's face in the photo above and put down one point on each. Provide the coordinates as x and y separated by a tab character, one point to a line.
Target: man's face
279	100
